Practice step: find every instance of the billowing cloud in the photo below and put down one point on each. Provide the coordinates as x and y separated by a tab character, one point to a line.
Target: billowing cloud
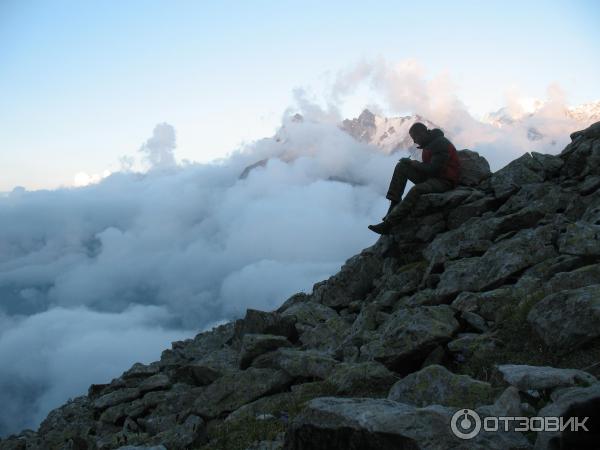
95	278
159	150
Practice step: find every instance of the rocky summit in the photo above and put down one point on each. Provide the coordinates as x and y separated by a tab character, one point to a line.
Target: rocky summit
487	297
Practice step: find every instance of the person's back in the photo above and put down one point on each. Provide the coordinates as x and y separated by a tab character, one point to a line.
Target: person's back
446	164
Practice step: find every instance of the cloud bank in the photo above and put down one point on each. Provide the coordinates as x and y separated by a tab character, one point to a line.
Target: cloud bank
97	277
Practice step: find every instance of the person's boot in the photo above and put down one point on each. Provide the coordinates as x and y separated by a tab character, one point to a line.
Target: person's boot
392	204
381	228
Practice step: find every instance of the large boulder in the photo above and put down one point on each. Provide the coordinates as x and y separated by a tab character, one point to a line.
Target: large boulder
510	178
491	305
499	262
359	378
582	156
254	345
473	168
325	336
568	319
379	424
234	390
298	363
437	385
573	402
409	334
352	282
310	314
261	322
526	377
580	238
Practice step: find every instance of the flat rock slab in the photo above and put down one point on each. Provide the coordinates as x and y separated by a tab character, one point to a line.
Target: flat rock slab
568	319
526	377
380	424
437	385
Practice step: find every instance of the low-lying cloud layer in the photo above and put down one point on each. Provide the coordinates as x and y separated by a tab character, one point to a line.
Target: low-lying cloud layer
95	278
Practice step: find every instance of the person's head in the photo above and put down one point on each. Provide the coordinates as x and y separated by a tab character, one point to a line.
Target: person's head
419	133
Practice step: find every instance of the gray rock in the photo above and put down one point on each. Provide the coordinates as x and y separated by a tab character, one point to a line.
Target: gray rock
589	184
437	385
463	212
491	305
546	197
272	405
580	238
499	262
298	363
379	424
73	419
568	319
560	406
353	378
469	344
196	374
445	200
405	280
310	313
411	332
352	282
254	345
475	235
296	299
474	168
158	381
261	322
325	336
515	174
507	404
116	397
142	370
190	433
526	377
203	345
475	321
234	390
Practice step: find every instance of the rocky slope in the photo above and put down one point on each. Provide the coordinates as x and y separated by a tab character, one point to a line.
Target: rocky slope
488	298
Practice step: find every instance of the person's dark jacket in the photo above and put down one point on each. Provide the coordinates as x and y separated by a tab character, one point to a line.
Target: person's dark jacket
439	157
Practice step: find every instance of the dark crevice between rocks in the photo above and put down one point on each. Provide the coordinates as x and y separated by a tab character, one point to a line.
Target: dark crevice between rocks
409	363
509	280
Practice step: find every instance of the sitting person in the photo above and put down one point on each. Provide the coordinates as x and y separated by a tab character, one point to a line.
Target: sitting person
439	172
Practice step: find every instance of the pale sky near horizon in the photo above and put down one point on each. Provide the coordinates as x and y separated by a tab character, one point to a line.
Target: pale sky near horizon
83	83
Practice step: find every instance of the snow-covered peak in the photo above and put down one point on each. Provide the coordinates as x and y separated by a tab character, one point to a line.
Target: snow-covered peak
586	113
390	134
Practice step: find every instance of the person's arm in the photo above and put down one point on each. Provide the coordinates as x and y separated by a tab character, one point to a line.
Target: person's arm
439	158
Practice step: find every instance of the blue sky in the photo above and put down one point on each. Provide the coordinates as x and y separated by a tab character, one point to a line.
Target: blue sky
83	83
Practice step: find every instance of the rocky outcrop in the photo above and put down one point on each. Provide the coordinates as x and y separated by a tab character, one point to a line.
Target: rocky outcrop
486	297
436	385
379	424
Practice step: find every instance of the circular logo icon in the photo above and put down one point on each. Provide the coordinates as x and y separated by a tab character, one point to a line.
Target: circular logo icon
465	424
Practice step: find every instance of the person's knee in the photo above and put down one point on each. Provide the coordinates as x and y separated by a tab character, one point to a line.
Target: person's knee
422	188
402	165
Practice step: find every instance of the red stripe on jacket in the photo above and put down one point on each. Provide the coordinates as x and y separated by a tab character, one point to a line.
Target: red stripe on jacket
451	171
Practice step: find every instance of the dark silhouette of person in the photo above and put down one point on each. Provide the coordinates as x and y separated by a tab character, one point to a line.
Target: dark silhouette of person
439	172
